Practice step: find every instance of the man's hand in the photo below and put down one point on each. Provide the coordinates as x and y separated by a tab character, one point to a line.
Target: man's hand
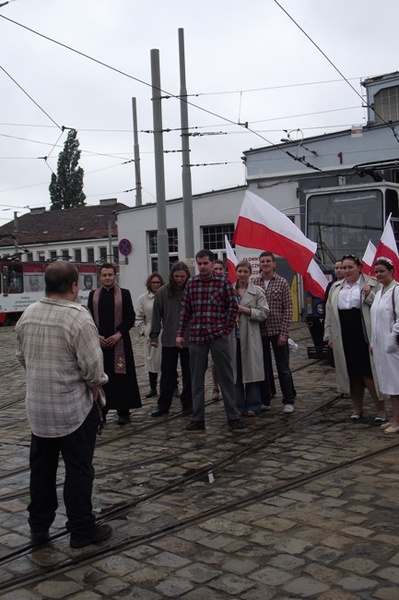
103	342
113	339
180	342
155	344
282	340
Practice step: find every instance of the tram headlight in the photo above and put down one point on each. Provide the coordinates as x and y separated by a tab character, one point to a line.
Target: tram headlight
320	309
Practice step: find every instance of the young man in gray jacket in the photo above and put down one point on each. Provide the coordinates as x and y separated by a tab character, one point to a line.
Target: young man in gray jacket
165	317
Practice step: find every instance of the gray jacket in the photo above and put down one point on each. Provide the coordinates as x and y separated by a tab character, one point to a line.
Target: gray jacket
165	316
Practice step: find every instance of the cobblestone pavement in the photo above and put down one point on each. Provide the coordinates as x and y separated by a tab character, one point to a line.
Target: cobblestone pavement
298	506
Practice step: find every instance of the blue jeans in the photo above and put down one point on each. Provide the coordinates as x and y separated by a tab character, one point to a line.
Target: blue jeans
282	358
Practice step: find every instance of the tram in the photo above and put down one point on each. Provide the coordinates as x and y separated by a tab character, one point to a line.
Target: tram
342	220
22	283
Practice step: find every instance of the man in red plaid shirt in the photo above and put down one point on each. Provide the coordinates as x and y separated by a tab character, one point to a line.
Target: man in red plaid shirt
209	307
275	330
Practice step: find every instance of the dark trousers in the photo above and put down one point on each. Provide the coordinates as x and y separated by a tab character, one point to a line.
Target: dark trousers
248	395
77	451
282	358
170	356
221	357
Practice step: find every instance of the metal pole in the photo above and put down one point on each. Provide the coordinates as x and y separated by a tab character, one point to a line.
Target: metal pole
136	155
16	242
162	235
186	170
110	252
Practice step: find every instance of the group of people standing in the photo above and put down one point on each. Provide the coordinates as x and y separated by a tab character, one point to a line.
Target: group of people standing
362	327
205	321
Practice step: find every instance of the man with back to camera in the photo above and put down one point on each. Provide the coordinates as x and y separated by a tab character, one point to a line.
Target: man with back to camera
57	344
275	330
210	306
113	313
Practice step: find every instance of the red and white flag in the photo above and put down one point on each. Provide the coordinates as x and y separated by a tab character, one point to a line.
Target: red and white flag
368	259
231	261
263	227
314	280
387	247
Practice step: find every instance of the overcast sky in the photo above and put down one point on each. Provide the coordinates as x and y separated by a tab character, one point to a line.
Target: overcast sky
245	62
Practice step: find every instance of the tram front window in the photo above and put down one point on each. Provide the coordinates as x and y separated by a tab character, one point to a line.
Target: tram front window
344	222
12	279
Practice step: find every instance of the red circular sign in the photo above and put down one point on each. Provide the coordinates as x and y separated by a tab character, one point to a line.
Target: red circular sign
125	247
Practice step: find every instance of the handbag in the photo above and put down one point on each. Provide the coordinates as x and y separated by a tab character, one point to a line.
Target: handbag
394	311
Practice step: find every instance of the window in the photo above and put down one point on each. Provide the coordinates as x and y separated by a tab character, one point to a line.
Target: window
65	254
153	248
53	254
90	254
29	256
103	253
386	105
77	253
40	255
115	255
213	237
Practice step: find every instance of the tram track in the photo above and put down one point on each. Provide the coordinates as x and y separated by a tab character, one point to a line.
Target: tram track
133	541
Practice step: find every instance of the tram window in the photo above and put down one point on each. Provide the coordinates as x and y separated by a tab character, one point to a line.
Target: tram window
12	279
391	203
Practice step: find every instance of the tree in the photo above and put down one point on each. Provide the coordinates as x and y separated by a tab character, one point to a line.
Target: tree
66	188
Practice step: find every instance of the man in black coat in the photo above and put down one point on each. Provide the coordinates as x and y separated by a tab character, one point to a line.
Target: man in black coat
113	313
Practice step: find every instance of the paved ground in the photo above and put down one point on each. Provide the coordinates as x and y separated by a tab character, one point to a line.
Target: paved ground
304	506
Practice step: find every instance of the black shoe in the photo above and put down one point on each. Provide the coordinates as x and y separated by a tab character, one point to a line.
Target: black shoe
187	411
196	426
123	419
235	424
151	394
40	537
159	412
99	534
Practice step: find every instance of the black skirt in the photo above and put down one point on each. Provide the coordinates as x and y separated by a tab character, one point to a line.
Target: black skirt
356	347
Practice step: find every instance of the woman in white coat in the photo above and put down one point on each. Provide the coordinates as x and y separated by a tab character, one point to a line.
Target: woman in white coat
347	331
384	337
145	304
247	355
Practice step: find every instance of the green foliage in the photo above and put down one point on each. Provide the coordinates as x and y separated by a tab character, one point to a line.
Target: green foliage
66	188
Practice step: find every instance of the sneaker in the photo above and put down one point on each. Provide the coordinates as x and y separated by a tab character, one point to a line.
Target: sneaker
196	426
266	407
288	409
98	535
159	412
235	424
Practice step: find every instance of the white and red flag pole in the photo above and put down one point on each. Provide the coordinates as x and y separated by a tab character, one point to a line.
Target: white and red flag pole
231	260
263	227
368	259
387	247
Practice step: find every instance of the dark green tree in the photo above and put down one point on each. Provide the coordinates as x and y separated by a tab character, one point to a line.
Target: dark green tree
66	188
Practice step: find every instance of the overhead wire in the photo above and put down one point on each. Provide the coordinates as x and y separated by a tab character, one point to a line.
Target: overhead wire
337	70
167	94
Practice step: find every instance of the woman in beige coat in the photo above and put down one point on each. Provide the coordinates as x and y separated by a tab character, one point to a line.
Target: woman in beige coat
143	310
347	331
246	341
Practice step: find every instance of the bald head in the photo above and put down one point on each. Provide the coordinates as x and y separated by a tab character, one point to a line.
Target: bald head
59	277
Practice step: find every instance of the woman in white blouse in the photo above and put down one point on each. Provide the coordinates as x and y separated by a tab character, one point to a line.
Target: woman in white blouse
384	337
347	331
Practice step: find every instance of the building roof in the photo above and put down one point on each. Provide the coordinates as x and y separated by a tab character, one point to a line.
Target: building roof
43	226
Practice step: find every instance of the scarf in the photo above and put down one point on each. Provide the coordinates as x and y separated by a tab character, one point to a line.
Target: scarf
119	351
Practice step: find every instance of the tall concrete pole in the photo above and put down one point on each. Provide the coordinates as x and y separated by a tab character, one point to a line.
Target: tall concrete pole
136	155
162	235
16	236
186	170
